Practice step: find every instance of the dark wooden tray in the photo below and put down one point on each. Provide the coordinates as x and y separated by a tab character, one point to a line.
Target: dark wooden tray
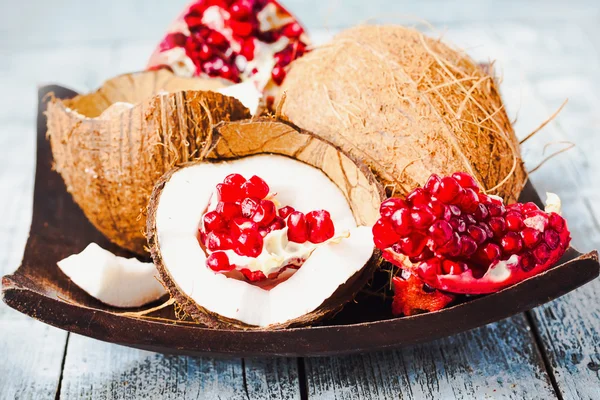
58	229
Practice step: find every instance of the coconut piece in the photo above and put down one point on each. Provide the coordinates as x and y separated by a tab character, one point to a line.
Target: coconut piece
111	146
116	281
246	93
307	173
407	105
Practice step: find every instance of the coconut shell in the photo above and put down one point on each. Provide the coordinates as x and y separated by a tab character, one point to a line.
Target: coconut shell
408	105
112	146
265	135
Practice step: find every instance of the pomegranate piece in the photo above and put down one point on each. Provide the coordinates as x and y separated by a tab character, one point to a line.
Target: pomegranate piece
320	226
255	187
459	240
413	296
297	227
219	262
233	40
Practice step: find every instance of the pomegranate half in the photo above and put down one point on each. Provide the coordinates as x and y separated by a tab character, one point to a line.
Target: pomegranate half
231	250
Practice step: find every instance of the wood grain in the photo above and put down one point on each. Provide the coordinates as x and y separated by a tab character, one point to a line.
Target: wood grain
496	361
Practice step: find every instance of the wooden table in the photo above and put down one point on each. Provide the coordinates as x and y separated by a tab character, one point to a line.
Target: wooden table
546	51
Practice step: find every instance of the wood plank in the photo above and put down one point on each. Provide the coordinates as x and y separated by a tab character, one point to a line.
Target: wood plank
98	370
496	361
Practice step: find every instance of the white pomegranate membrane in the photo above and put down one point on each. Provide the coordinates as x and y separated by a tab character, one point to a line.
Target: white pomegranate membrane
187	197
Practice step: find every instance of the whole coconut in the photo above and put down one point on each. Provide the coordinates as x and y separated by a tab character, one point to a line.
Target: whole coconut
409	106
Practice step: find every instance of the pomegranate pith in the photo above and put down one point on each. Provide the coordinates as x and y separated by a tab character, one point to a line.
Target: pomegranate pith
460	240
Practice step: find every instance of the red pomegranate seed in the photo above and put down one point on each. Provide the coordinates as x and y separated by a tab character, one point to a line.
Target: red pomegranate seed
213	222
529	207
249	206
511	243
496	210
414	244
277	224
466	181
234	179
481	213
418	197
229	193
452	267
389	206
176	39
468	246
320	226
421	217
278	74
552	239
402	221
219	262
441	233
240	10
218	241
433	184
542	253
455	210
448	190
514	221
253	276
247	50
439	210
285	211
292	30
237	225
217	39
297	227
458	225
240	28
384	233
557	222
469	201
255	187
498	226
265	213
249	243
453	247
205	53
490	252
527	262
488	232
228	210
531	237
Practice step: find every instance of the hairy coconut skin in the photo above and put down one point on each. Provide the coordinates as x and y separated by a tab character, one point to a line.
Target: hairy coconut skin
268	135
111	155
407	105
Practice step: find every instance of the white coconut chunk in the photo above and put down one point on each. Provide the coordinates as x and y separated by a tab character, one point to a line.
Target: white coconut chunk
553	203
246	93
186	196
116	281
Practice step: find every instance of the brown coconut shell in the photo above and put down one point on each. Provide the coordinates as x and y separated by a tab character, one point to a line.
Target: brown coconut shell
266	135
111	154
408	105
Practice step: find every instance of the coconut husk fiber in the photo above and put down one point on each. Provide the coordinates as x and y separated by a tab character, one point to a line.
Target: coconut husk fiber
408	105
112	145
266	135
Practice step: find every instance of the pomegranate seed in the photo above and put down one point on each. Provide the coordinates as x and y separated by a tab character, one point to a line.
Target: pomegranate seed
498	226
454	210
453	247
253	276
401	220
529	207
481	212
229	193
557	222
552	239
413	245
213	222
527	262
531	237
277	224
468	246
418	197
490	252
511	243
514	221
448	189
283	57
439	210
477	233
240	10
285	211
172	40
465	180
292	30
249	243
217	39
320	226
542	253
297	227
433	184
234	179
469	200
389	206
496	210
228	210
218	241
265	213
488	231
452	267
421	217
193	20
458	225
219	262
441	232
240	28
247	50
249	206
384	234
237	225
256	187
205	53
278	74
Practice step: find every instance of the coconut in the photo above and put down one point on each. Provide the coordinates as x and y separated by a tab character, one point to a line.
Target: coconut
112	146
409	106
301	168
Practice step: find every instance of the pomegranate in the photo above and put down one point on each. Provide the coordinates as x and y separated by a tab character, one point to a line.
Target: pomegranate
234	40
240	220
460	240
413	296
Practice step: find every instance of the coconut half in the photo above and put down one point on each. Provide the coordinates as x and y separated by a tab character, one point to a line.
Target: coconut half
112	146
306	173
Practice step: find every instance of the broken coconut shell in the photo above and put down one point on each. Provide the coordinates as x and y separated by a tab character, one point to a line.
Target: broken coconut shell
409	106
112	145
268	136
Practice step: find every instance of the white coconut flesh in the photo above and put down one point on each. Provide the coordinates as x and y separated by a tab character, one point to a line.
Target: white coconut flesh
186	197
246	93
116	281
